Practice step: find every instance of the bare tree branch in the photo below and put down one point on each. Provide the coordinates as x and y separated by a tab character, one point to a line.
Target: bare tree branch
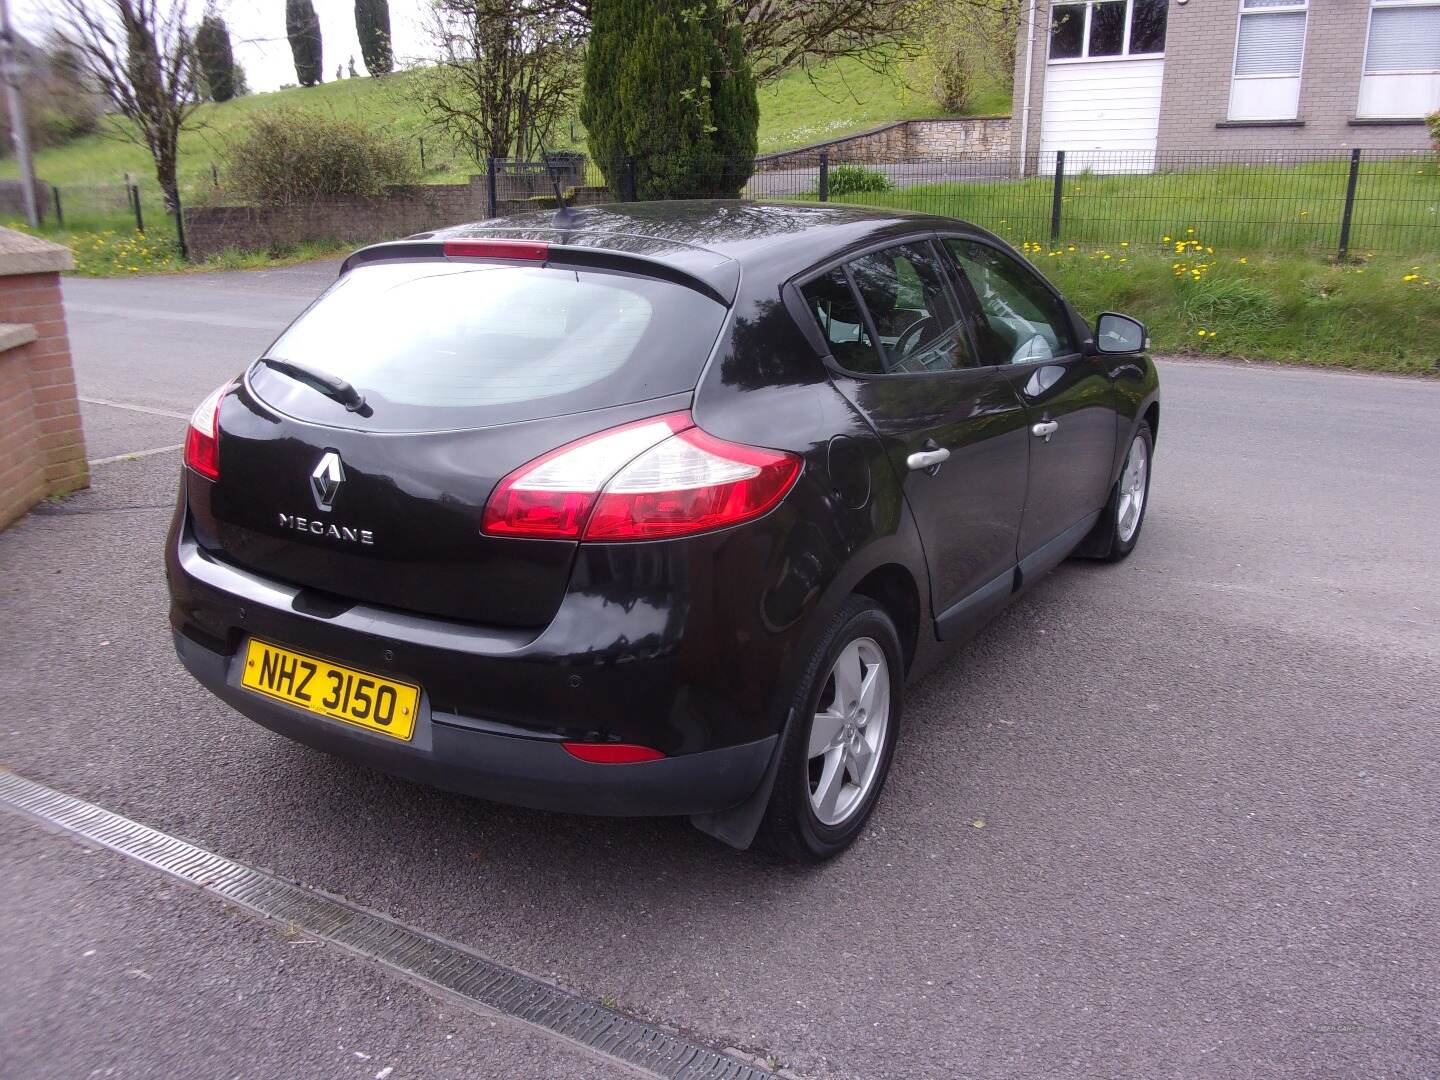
781	35
508	72
141	57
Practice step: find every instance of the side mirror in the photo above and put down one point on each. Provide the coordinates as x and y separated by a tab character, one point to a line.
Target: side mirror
1116	333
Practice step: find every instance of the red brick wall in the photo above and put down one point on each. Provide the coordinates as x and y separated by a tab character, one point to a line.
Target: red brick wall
42	447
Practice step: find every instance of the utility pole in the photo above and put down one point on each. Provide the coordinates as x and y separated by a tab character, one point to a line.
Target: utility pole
10	73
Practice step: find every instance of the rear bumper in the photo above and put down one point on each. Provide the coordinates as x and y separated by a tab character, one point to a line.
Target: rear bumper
506	702
454	753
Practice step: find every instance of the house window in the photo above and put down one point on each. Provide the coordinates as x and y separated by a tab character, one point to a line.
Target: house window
1402	60
1269	51
1106	29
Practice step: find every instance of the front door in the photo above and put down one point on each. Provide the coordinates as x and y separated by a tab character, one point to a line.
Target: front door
1025	330
955	433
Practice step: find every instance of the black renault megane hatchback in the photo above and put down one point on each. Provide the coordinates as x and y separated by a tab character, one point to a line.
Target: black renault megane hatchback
650	509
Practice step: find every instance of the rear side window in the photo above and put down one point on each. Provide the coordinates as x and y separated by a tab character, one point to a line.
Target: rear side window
833	303
435	345
904	290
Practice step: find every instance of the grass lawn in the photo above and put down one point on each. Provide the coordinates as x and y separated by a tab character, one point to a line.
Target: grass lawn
847	97
1380	314
842	98
123	252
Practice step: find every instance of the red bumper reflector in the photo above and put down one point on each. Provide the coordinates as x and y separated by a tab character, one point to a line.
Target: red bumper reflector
610	753
498	249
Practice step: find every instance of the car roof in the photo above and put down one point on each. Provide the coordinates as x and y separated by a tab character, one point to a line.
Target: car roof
707	237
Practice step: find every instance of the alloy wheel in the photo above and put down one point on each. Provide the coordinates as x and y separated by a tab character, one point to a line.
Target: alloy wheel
847	734
1132	489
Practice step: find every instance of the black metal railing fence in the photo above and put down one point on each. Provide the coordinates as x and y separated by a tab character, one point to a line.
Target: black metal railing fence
1342	203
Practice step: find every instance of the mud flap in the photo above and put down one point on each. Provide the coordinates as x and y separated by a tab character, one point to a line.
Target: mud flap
738	825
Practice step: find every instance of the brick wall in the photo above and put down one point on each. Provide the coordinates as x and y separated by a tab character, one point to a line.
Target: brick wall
1195	96
1025	128
1196	93
42	447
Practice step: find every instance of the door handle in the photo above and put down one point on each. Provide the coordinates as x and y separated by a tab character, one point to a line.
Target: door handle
928	459
1044	429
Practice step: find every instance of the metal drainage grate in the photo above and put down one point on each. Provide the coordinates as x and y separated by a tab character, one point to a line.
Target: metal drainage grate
433	963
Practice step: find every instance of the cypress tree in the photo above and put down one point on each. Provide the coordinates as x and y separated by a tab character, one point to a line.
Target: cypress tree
372	26
302	27
668	86
217	61
735	107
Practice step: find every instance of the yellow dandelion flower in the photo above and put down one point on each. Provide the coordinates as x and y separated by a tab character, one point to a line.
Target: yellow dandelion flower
1244	261
1200	332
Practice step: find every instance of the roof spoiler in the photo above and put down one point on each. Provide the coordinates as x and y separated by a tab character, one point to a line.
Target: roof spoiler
720	287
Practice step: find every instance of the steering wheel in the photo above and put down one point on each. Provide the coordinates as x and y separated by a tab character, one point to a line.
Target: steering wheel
911	334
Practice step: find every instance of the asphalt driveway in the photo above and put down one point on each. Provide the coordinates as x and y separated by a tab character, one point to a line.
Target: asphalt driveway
1175	817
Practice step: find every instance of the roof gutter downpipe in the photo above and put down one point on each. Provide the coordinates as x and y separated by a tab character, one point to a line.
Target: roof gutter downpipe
1025	108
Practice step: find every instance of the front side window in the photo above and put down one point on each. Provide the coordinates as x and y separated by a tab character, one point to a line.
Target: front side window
1402	60
1103	29
912	309
1269	53
1020	319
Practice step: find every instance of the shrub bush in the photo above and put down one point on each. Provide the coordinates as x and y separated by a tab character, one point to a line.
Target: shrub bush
1433	122
288	156
856	180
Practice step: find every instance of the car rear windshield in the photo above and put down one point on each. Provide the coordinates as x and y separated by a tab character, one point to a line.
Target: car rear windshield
441	345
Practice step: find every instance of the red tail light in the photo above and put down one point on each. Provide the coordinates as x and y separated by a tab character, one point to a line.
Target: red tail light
649	480
612	753
497	249
202	438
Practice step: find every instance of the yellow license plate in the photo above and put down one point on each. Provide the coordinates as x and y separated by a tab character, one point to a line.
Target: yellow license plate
332	690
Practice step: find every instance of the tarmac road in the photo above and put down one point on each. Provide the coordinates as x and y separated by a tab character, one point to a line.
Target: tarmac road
1175	817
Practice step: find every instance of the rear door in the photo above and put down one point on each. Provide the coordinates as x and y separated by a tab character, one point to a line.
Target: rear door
468	369
1023	328
954	433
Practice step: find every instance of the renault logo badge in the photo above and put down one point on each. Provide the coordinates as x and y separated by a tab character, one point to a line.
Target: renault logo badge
325	481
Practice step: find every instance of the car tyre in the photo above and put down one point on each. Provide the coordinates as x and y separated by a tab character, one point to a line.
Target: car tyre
1130	498
838	747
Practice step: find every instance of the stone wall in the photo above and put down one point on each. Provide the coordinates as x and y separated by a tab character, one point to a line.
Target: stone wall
42	447
900	142
358	219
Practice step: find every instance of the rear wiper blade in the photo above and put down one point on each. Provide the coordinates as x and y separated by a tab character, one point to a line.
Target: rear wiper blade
332	386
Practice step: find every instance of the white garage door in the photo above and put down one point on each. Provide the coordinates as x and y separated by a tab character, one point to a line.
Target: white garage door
1101	105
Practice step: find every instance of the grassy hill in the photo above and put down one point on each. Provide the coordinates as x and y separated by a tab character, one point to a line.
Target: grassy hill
842	98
